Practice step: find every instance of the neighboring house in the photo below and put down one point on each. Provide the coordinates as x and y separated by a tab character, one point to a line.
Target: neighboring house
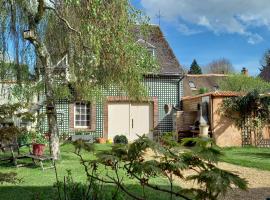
194	84
118	114
6	97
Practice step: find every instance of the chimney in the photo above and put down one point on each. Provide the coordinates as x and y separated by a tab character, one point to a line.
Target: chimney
244	71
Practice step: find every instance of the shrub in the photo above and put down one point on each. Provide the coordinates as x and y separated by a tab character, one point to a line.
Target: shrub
120	139
127	162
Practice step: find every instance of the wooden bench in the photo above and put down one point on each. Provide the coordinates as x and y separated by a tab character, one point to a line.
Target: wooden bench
40	159
13	154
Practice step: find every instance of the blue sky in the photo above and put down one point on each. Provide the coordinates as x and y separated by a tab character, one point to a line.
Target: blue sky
238	30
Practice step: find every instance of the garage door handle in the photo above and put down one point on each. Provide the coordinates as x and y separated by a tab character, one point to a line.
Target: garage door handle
132	123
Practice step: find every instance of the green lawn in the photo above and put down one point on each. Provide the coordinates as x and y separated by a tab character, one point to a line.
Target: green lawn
248	157
37	183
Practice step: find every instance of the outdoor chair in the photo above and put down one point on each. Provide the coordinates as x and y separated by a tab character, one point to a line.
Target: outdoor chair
10	152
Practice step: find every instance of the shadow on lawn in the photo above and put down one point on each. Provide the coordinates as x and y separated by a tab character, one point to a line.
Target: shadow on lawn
50	192
44	193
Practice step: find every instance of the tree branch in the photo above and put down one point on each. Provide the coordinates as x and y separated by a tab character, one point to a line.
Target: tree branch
63	20
155	187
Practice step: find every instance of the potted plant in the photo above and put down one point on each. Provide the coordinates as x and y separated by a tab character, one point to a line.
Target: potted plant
120	139
39	142
101	140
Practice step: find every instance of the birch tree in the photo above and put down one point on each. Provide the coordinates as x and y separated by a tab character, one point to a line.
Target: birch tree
99	37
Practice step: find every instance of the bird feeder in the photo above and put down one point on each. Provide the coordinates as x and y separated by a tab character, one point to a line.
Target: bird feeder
49	109
27	34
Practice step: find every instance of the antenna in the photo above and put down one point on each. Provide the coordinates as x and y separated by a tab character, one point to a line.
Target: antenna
159	16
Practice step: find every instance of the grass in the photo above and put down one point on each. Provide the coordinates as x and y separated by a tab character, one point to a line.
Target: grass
38	184
248	156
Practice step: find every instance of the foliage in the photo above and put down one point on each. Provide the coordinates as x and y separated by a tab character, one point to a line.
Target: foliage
72	190
203	90
99	37
9	178
242	83
25	138
39	138
10	112
220	66
195	68
29	137
168	139
168	162
120	139
265	69
251	106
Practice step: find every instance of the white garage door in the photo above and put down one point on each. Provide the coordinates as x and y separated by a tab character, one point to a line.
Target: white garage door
130	119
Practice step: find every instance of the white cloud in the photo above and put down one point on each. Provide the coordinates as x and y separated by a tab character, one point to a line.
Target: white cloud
185	30
218	16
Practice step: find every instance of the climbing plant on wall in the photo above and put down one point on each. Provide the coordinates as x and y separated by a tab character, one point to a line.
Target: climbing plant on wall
250	113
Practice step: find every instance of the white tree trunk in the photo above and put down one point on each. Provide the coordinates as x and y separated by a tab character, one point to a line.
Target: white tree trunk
45	58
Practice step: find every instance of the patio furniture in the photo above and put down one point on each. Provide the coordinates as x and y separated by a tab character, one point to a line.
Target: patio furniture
40	159
11	152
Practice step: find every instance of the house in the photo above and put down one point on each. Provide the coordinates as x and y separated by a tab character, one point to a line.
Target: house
194	84
117	114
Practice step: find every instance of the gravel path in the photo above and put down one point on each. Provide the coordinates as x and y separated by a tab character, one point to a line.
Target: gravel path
258	183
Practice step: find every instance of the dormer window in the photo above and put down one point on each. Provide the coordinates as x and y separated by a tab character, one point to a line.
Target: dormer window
151	52
192	85
150	48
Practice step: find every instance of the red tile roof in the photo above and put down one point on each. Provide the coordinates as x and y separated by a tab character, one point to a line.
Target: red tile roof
215	94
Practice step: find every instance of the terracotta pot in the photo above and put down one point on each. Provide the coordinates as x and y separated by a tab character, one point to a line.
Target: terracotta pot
38	149
101	140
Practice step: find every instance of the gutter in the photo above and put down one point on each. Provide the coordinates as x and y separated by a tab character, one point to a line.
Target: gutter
179	91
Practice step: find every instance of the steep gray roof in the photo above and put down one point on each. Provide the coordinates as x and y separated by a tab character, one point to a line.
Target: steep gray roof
166	59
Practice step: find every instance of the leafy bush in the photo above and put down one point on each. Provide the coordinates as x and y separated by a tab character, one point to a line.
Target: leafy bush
10	177
30	137
128	162
25	138
40	139
72	190
120	139
203	90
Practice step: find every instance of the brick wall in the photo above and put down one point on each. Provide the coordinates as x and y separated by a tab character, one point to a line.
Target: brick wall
190	105
185	119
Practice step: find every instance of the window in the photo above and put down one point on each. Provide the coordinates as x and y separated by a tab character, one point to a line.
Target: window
151	51
216	88
82	115
192	85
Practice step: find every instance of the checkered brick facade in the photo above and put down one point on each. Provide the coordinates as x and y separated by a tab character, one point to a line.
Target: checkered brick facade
164	90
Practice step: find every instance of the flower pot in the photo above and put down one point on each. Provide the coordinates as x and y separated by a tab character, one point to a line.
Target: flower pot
204	130
109	141
38	149
101	140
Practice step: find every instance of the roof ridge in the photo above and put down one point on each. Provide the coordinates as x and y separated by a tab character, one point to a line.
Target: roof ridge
206	75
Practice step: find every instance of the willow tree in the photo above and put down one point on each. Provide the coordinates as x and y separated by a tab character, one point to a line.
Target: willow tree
99	37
